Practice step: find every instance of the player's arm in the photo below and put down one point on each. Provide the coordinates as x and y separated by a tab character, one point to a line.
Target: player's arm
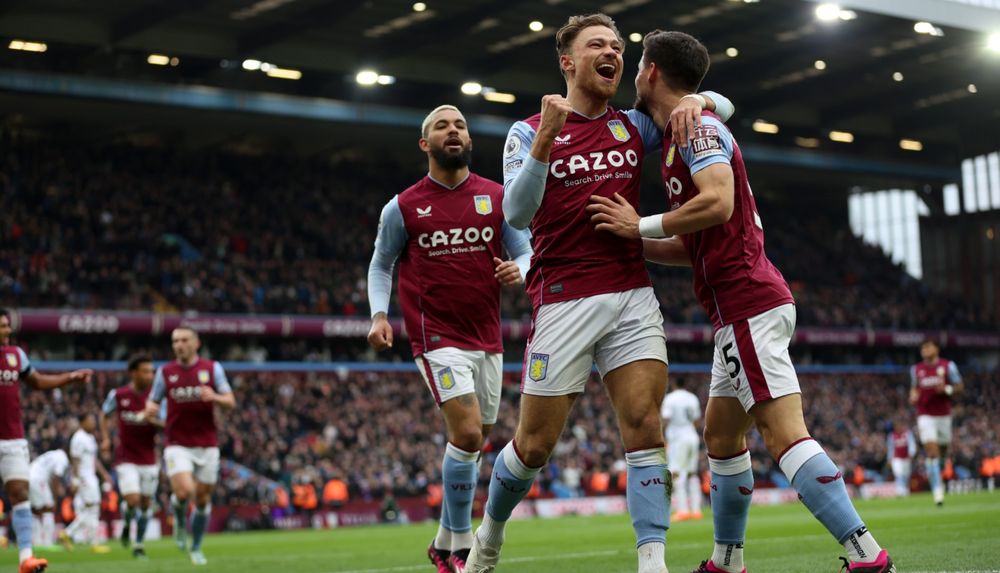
104	422
523	175
955	385
389	243
40	381
103	472
517	242
156	394
222	393
686	117
914	392
669	251
911	444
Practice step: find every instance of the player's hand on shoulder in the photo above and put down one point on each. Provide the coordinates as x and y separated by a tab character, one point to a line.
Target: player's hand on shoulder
555	110
615	215
507	273
685	118
380	335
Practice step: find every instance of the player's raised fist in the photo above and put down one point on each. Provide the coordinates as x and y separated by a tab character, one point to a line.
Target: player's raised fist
380	336
555	110
507	273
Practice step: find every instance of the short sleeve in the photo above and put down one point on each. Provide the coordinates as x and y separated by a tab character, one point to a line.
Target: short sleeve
712	143
110	403
221	382
159	387
26	367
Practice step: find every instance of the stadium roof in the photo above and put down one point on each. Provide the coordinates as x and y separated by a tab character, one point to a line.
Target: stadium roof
873	76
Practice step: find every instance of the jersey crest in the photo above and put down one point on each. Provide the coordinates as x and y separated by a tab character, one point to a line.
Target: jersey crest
203	376
484	204
618	130
12	360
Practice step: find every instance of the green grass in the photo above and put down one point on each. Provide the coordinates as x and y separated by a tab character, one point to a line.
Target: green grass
964	535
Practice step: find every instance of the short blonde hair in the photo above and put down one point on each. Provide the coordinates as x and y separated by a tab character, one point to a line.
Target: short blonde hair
427	120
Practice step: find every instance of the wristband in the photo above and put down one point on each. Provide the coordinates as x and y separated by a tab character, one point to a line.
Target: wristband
949	390
651	227
701	98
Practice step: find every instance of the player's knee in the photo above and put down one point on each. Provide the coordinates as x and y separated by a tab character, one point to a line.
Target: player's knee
469	438
535	452
721	443
17	491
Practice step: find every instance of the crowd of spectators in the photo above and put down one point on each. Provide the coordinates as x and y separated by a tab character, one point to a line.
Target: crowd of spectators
380	433
147	228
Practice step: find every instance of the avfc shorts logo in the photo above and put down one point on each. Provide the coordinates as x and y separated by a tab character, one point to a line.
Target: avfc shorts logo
12	360
484	204
618	130
203	376
538	366
670	154
446	378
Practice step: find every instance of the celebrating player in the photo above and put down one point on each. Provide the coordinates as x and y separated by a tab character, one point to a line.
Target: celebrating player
135	456
935	383
192	386
591	294
681	409
14	460
716	229
87	500
448	231
49	472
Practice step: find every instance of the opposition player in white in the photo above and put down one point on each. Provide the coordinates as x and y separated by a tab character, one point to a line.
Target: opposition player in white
49	474
900	447
681	411
83	452
14	458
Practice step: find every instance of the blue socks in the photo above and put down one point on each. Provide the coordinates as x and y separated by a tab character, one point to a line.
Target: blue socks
648	494
140	526
20	519
933	466
459	471
510	483
731	493
199	523
821	486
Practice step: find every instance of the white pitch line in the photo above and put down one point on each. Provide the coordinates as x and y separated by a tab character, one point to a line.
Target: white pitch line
511	560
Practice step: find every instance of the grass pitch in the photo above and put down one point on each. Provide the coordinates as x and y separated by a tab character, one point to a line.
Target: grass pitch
963	536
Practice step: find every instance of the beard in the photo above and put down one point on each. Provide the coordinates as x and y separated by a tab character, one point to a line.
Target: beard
640	105
450	160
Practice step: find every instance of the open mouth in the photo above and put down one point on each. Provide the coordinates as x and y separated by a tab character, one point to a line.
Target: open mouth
453	143
607	71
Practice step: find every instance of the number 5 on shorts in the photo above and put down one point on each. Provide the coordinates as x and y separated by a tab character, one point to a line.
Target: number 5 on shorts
733	361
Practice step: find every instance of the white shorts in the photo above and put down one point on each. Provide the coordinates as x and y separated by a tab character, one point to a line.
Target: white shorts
14	461
934	429
138	479
901	468
682	453
89	491
40	495
568	337
451	372
751	358
203	463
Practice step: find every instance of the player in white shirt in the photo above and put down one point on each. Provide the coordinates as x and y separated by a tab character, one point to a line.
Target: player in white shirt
680	411
87	501
48	473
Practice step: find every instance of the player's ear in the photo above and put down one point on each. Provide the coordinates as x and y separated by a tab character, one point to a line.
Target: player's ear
424	145
566	63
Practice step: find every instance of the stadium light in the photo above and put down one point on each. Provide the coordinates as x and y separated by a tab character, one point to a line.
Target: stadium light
993	42
499	97
472	88
419	7
536	26
732	52
384	80
807	142
367	77
819	65
284	73
842	136
927	28
972	88
911	145
897	76
158	60
635	37
761	126
847	15
828	12
26	46
251	65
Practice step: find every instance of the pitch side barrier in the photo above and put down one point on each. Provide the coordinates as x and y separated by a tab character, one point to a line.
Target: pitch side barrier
510	367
